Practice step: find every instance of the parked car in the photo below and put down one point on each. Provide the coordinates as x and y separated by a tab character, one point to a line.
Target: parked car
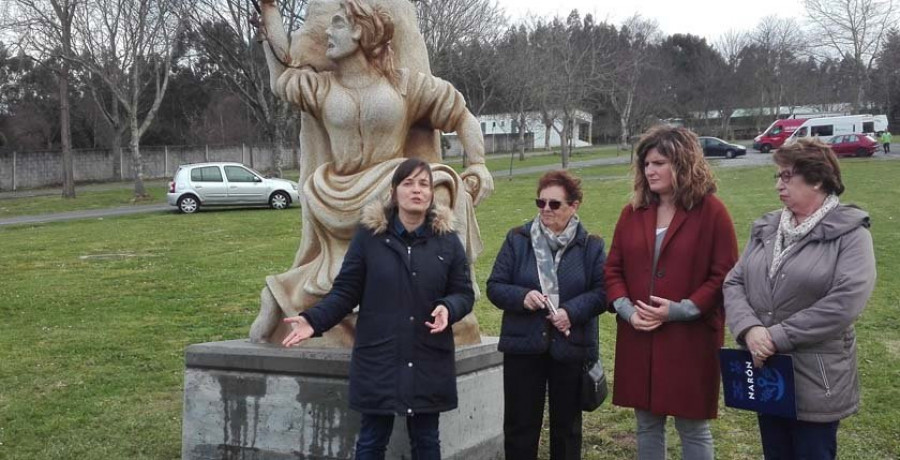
860	145
227	184
715	147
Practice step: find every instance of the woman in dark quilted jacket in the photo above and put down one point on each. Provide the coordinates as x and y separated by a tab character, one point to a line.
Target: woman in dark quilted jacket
548	280
407	270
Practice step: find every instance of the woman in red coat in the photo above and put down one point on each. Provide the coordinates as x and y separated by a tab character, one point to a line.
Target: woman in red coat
673	245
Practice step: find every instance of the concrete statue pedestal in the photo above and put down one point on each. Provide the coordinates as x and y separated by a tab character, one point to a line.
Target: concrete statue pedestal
256	401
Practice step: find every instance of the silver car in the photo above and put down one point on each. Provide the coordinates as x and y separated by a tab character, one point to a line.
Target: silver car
227	184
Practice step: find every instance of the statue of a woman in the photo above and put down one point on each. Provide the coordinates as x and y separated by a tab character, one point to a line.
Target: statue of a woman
360	120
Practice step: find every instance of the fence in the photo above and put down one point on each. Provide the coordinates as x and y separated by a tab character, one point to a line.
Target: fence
35	169
493	143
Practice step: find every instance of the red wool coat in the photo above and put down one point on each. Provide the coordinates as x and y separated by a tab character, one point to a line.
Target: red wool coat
673	370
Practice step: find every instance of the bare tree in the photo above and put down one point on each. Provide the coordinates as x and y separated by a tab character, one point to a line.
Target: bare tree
129	46
633	58
445	24
577	55
778	41
853	28
226	40
45	27
729	91
516	55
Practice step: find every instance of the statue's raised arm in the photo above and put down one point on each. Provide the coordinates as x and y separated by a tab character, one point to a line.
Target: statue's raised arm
358	70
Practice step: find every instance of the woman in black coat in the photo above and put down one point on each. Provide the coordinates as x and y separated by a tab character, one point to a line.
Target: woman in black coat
548	264
408	272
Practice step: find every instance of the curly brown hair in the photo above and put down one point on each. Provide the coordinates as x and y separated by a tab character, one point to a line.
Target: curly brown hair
377	29
568	181
692	177
814	161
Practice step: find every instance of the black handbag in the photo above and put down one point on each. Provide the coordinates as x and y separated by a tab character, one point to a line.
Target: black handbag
593	386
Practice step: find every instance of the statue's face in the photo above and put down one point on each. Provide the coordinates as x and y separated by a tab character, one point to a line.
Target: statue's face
343	37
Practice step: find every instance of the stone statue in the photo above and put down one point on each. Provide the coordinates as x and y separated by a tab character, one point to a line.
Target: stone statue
358	70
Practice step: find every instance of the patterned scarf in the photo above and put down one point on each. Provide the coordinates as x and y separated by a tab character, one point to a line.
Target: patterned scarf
788	235
545	243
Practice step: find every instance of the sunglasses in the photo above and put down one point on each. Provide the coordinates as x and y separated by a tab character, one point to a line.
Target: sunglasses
554	205
785	176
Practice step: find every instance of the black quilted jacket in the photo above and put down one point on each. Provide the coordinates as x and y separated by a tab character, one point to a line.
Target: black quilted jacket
582	295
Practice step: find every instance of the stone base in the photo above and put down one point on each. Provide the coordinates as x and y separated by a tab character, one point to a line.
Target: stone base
256	401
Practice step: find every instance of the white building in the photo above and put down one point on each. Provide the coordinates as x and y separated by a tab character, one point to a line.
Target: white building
501	131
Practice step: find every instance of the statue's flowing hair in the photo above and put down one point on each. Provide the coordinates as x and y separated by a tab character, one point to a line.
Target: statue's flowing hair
377	29
692	178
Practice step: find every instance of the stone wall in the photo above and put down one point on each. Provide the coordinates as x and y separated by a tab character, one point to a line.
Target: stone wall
255	401
36	169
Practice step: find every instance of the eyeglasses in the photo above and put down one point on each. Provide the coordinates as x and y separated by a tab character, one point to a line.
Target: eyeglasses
785	176
554	204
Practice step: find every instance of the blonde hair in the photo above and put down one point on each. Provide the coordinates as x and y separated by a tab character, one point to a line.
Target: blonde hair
692	178
377	29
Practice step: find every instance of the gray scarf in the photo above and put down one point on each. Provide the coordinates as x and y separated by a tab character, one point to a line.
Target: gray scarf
788	235
545	243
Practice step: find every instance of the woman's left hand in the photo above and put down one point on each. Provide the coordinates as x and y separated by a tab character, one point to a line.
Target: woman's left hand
561	321
659	312
441	319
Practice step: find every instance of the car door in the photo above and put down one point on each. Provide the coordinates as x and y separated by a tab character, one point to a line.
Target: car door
716	148
244	186
208	183
840	145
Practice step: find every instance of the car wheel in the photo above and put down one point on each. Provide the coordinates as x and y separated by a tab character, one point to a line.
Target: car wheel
188	204
765	148
729	154
861	152
279	200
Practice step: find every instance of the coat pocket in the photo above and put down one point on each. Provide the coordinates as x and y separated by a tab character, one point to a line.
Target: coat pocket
824	373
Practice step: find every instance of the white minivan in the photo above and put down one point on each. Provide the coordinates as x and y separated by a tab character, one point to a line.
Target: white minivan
227	184
826	127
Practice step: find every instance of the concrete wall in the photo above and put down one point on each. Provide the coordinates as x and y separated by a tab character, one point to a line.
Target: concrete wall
35	169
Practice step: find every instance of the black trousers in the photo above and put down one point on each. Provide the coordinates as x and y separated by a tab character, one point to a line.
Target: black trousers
786	439
527	380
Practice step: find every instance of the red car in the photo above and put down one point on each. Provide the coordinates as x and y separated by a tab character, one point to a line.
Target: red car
859	145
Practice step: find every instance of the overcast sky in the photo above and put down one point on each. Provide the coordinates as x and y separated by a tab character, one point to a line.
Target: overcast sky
707	18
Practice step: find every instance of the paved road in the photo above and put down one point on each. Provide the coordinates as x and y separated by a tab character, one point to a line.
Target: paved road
751	159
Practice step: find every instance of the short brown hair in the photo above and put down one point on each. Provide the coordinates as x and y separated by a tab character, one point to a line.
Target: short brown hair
692	177
814	161
564	179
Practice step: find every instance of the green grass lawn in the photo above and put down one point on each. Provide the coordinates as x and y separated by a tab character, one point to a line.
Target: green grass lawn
97	313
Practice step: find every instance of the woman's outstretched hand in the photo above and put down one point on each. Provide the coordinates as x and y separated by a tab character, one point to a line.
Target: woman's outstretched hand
300	331
441	319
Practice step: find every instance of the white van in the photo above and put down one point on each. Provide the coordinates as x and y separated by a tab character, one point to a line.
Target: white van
827	127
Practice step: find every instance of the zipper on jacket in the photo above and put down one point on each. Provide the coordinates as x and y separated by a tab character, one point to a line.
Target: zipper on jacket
824	376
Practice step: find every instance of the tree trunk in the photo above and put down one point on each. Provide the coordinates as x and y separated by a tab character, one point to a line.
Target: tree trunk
564	142
521	136
137	163
65	134
625	117
278	148
548	131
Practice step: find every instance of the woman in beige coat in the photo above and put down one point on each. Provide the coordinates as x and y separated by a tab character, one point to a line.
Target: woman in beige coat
805	276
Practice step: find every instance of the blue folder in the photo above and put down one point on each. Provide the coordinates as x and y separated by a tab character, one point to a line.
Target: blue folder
767	390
